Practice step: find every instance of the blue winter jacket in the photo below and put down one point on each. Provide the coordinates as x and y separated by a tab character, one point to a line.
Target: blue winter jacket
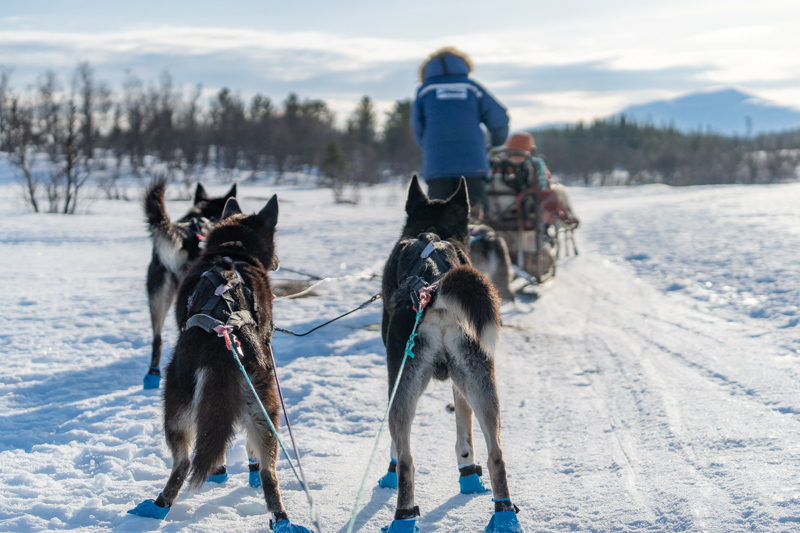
446	118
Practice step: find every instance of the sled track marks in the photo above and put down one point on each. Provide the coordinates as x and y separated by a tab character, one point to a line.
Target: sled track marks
639	412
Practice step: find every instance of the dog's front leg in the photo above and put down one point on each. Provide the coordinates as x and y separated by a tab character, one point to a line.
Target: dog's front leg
254	464
465	453
220	474
469	472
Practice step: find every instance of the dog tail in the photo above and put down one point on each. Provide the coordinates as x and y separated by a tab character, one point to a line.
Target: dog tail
475	303
167	238
158	221
218	405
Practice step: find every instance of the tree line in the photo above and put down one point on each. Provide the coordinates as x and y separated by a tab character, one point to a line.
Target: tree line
616	151
59	136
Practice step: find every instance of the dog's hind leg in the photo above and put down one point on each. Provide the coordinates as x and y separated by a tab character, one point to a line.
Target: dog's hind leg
179	430
161	288
179	443
264	446
218	406
401	416
480	390
477	383
264	441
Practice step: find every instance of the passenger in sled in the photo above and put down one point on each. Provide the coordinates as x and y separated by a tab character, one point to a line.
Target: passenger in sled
527	209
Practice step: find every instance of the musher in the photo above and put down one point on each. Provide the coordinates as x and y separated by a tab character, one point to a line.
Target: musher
446	119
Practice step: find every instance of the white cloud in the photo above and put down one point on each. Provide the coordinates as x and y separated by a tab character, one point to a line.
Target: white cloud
575	61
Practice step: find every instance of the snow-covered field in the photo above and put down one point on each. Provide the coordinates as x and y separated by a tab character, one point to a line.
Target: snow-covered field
652	387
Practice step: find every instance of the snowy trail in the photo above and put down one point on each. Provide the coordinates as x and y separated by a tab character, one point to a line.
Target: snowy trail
635	396
641	426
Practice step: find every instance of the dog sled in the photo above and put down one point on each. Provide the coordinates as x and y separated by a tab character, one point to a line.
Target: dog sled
528	211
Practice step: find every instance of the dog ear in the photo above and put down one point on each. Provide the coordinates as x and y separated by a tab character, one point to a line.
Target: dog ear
269	215
231	193
231	208
458	203
200	194
461	196
416	196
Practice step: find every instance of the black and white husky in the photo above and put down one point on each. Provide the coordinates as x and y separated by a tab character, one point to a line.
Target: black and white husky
175	244
205	394
458	333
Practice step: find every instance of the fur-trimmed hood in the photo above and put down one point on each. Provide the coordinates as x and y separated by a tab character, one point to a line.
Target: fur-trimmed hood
445	61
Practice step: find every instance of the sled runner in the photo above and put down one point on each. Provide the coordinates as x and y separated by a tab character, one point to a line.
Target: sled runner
526	210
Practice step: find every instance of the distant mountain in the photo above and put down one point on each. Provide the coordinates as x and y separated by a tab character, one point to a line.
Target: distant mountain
725	111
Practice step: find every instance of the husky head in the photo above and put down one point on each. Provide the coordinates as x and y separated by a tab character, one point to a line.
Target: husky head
206	207
253	233
448	219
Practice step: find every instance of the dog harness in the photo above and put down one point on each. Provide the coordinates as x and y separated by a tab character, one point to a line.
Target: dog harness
212	303
416	282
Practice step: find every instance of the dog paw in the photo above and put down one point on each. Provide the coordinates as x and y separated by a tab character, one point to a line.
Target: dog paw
149	509
151	381
401	526
504	522
255	479
284	526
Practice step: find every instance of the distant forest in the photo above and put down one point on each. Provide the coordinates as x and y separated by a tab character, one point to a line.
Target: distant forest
59	136
62	133
618	152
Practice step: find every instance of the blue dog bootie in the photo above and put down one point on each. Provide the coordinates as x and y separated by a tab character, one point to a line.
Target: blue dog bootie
255	475
504	519
389	481
284	526
470	480
279	523
152	381
405	521
505	522
220	476
409	525
150	509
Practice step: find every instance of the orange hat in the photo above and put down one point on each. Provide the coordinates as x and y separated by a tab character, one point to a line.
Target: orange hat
521	141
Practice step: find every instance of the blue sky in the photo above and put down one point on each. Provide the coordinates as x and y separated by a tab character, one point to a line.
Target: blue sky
546	61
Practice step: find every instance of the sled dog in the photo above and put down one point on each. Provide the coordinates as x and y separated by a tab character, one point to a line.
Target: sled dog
488	253
175	244
457	335
205	394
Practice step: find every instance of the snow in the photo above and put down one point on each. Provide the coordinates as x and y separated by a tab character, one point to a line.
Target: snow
652	386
